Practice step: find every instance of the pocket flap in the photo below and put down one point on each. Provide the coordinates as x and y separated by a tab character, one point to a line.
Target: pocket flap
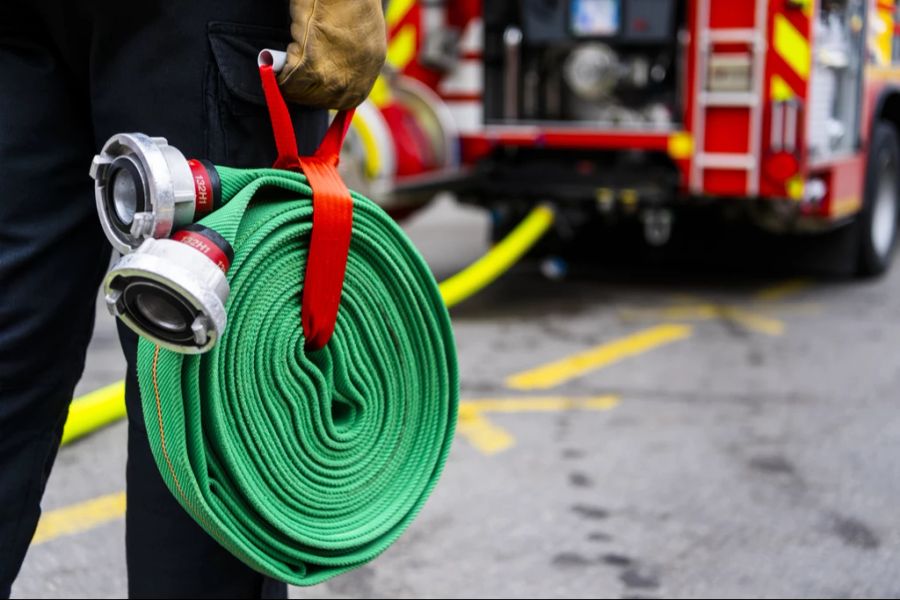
235	48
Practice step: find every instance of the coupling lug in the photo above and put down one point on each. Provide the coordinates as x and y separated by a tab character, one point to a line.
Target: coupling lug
143	224
199	328
99	167
113	301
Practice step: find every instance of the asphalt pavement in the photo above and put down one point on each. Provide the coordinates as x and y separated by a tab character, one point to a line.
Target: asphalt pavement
623	433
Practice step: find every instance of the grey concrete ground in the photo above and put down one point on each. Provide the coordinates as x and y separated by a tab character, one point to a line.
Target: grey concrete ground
737	462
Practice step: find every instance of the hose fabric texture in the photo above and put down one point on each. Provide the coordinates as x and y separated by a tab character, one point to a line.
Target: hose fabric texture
307	464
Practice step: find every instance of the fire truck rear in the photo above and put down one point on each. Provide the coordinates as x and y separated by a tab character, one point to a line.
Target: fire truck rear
787	110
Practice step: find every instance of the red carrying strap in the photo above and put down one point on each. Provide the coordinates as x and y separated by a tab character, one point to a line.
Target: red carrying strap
332	213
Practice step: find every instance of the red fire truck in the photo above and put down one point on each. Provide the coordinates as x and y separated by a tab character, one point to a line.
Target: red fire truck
788	109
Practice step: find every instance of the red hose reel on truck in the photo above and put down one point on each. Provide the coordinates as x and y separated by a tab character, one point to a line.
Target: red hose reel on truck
393	145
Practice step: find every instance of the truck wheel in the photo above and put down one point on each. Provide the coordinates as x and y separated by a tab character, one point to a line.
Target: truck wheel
877	222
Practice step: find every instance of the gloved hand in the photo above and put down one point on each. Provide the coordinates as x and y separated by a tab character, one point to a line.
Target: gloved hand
338	50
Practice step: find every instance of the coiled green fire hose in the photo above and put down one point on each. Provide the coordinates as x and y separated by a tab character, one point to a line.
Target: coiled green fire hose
307	464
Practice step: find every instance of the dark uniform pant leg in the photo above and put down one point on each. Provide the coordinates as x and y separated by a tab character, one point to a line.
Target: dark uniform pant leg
186	72
52	256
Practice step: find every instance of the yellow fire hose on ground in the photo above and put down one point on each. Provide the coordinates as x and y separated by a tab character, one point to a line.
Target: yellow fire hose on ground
95	410
107	405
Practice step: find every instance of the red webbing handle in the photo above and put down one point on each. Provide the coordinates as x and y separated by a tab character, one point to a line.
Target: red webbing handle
332	213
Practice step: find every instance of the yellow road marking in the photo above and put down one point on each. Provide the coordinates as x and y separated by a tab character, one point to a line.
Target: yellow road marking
490	439
561	371
540	404
753	321
702	311
473	425
754	317
79	517
481	433
780	291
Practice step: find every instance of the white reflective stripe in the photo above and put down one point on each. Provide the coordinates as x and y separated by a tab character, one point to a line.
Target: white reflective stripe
721	160
790	126
701	56
740	99
759	84
466	78
473	36
726	36
777	133
468	114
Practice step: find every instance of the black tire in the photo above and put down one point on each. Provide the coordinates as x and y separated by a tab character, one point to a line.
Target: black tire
876	224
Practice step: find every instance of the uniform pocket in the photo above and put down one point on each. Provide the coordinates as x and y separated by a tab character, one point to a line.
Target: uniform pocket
239	132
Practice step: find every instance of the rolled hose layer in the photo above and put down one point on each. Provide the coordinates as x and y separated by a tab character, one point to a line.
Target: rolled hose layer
307	464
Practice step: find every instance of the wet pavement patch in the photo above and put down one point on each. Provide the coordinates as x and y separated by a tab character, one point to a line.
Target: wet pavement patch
639	577
775	464
580	480
572	453
854	532
616	560
590	512
571	559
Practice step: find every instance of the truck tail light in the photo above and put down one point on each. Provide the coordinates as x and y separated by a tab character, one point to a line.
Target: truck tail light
781	166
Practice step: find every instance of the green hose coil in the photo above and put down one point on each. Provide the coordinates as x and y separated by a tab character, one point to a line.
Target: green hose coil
307	464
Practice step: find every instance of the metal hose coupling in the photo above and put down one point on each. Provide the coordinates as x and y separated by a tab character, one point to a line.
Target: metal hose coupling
173	291
146	188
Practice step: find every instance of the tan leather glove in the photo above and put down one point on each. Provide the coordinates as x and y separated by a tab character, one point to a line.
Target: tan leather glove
337	52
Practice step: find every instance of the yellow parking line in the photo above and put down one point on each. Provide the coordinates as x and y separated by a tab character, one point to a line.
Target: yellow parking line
473	425
753	321
561	371
759	317
710	312
79	517
481	433
780	291
794	309
684	312
540	404
490	439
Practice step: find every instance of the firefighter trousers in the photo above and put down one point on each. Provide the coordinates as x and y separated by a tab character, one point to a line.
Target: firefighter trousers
71	75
